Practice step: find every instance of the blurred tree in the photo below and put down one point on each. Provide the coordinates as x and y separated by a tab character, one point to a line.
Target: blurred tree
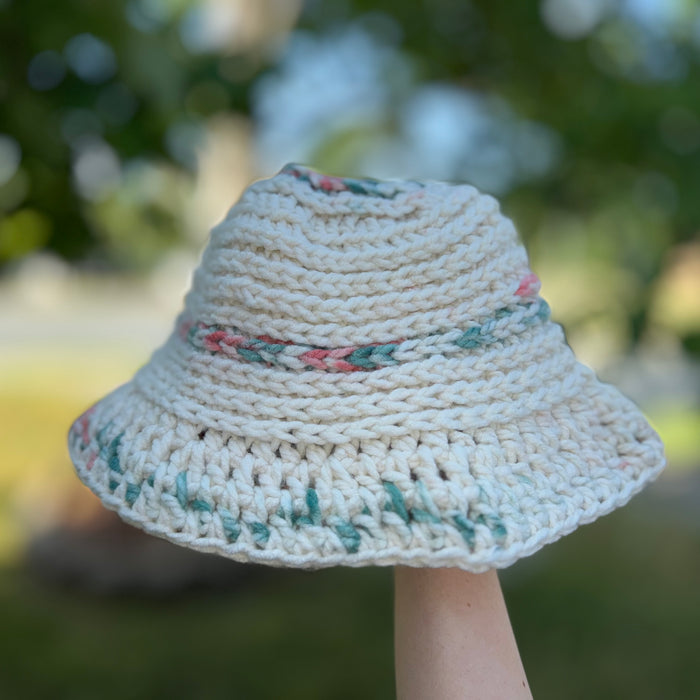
98	95
90	92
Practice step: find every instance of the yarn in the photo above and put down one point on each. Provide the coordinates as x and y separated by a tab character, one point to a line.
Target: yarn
506	322
364	373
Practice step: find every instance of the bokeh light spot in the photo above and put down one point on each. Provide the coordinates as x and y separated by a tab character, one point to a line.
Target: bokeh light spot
46	70
183	140
96	169
149	16
92	59
573	19
10	157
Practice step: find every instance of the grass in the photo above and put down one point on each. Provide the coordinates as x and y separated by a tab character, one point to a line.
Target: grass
297	635
610	611
679	426
39	399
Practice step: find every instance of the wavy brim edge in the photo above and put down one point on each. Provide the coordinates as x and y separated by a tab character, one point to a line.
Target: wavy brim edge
493	555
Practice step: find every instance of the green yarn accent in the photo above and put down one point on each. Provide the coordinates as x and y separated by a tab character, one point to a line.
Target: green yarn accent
113	454
469	339
397	504
348	533
466	529
349	536
544	311
181	489
132	493
100	437
495	524
181	494
109	451
299	519
312	505
360	357
250	355
423	516
431	513
476	336
314	515
384	353
355	187
373	356
230	525
261	533
200	505
275	348
192	332
272	348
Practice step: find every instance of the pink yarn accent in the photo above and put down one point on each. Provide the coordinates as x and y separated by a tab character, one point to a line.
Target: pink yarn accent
271	340
212	341
331	184
346	366
529	285
342	352
339	363
91	461
184	328
84	423
215	340
317	358
233	340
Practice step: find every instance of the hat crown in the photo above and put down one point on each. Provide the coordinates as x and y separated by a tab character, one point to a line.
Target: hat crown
325	261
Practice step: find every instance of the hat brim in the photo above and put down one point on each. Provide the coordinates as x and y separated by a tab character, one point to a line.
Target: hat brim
475	497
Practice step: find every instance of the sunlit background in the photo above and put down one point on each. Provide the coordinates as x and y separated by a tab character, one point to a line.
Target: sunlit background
127	129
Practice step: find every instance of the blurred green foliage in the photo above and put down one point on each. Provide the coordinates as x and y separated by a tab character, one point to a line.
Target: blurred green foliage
154	85
117	89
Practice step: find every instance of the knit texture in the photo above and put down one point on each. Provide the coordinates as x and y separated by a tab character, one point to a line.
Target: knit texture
364	373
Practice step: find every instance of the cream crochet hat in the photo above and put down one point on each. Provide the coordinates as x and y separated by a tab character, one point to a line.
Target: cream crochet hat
364	373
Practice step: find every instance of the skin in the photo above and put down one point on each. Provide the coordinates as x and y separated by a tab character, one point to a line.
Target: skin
453	637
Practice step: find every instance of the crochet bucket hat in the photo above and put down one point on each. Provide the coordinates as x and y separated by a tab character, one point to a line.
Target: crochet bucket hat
364	373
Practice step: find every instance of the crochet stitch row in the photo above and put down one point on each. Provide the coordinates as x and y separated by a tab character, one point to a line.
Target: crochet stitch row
108	450
215	339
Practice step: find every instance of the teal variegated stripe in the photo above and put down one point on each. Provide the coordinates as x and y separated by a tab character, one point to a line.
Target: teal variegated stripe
367	187
192	500
232	342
